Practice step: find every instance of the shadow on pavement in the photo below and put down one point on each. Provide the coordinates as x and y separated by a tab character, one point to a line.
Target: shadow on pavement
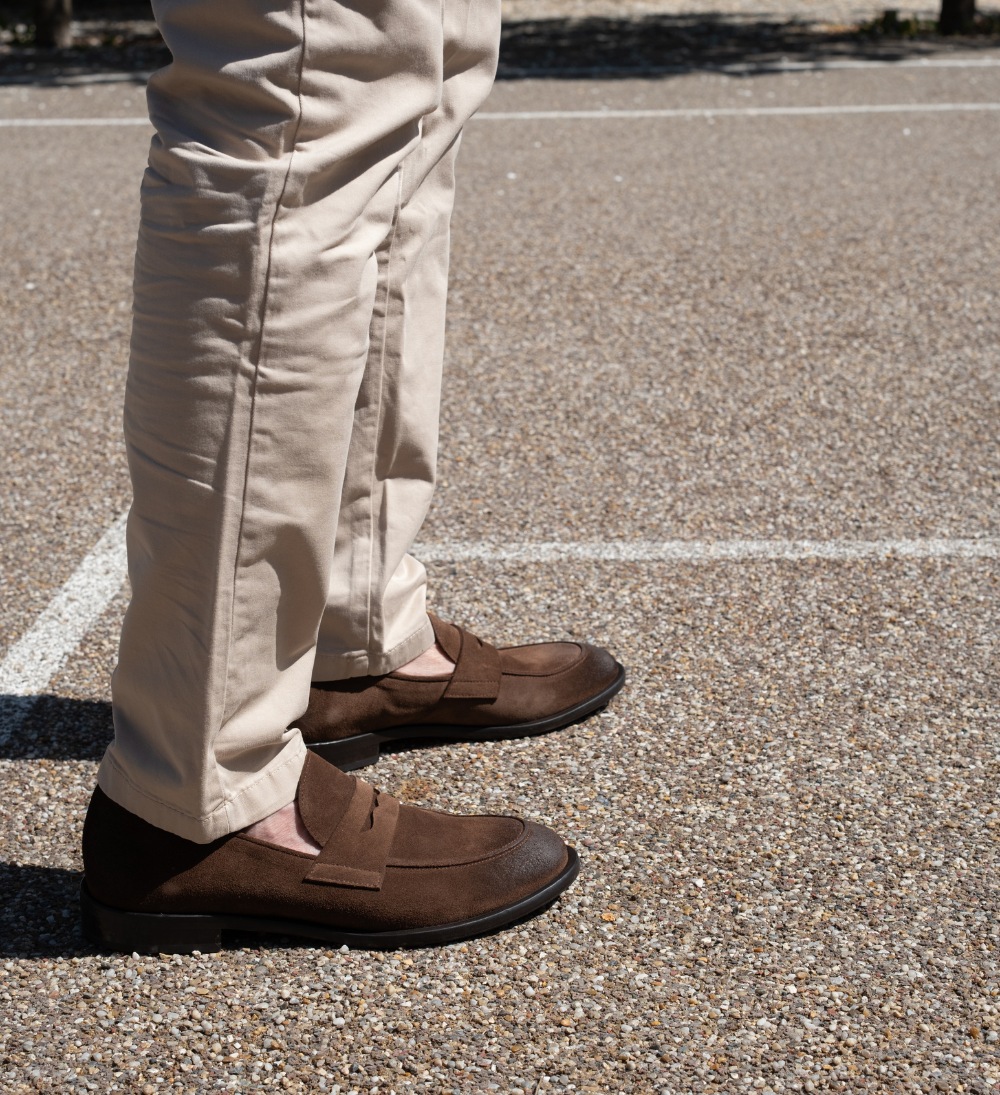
116	39
40	912
54	727
662	45
40	916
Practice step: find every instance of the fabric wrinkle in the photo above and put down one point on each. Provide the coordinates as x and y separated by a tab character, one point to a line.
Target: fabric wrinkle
281	407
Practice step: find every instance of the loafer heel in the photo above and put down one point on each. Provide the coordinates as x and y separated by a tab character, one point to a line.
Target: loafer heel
147	933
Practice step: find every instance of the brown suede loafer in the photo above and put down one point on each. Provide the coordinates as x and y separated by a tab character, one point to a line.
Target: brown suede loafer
492	694
388	875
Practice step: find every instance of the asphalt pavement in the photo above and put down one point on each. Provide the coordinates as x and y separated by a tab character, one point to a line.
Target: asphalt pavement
731	328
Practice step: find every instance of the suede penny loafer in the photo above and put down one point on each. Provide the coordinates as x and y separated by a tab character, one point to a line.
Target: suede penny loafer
491	695
389	875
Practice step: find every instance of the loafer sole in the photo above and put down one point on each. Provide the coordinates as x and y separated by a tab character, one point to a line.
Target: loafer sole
360	750
182	933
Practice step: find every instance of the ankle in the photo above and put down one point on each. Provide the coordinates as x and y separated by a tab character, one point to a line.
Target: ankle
432	663
284	827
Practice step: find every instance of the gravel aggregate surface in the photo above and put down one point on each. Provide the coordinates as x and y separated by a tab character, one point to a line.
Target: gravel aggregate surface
766	335
69	224
788	820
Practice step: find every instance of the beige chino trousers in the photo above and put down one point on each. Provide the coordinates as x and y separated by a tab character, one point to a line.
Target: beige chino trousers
281	410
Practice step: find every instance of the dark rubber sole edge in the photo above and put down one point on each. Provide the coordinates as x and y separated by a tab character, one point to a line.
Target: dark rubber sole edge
361	750
181	933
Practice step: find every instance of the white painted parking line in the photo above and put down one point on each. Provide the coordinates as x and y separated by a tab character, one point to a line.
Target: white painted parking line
34	659
49	123
605	115
707	551
735	112
42	651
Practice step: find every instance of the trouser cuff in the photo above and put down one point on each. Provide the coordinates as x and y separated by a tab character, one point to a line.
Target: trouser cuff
274	787
361	663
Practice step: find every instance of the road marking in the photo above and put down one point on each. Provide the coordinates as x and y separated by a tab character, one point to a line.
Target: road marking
42	651
706	551
36	657
80	80
47	123
735	112
602	115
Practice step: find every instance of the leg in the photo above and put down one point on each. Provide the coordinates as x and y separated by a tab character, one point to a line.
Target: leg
375	619
273	183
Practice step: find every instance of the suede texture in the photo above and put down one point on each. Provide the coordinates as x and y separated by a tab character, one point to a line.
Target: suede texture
534	683
440	868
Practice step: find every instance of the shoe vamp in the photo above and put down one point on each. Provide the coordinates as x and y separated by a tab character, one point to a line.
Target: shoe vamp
427	838
539	660
530	696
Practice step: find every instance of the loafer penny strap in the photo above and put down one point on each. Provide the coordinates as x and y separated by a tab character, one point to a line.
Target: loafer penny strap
357	851
477	664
